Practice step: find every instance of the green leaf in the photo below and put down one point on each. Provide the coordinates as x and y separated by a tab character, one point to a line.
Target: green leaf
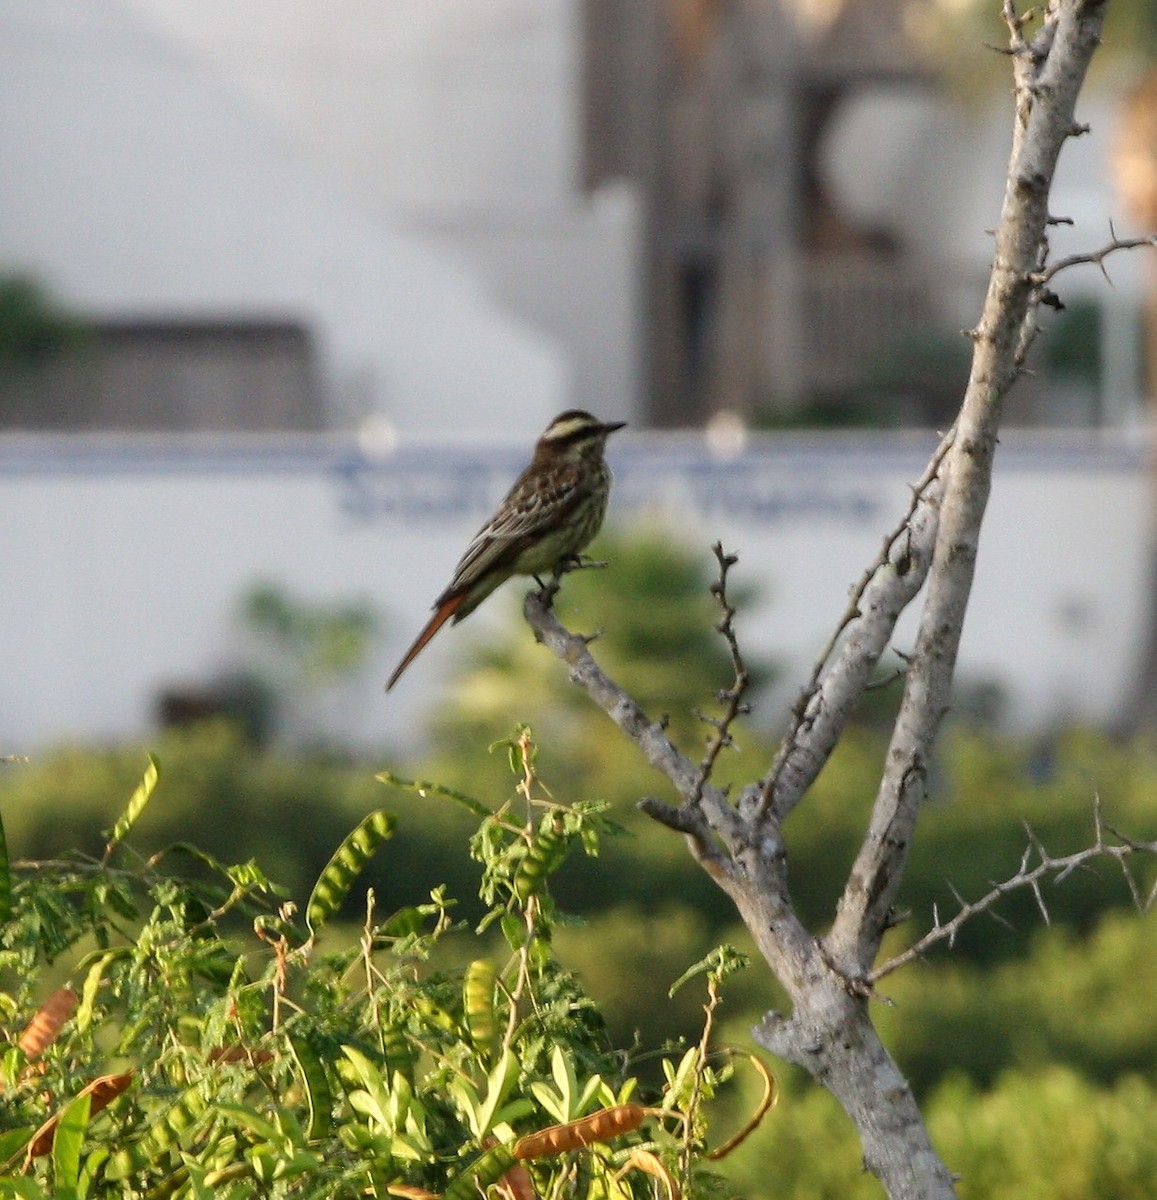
680	1080
14	1140
243	1117
564	1080
501	1079
23	1189
345	866
384	1104
424	788
136	805
66	1146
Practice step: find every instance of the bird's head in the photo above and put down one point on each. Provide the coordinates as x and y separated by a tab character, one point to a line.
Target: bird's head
576	434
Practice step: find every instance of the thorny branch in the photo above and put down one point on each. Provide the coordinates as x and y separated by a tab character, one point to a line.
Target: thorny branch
732	698
861	636
711	816
1094	257
829	1030
1042	293
1028	875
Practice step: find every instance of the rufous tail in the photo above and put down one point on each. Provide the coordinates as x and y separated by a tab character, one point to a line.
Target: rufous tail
444	612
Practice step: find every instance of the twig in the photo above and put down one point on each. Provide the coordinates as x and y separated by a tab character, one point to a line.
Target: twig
1026	876
649	736
732	698
1094	258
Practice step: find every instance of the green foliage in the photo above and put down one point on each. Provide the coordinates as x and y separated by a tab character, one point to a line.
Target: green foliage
317	642
985	790
33	329
235	802
249	1059
1087	1001
300	654
1047	1135
976	1008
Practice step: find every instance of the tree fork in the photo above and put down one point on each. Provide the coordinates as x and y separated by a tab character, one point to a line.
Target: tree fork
828	980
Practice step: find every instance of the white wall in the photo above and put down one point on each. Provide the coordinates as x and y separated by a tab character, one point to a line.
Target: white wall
137	181
424	103
124	566
458	120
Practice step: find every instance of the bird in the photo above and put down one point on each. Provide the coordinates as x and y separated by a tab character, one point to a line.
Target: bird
551	513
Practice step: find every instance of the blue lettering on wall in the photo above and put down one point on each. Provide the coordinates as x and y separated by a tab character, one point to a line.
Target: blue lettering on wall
755	489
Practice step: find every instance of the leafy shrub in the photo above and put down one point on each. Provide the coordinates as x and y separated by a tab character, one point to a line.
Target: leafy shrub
975	1008
1048	1136
200	1042
1033	1135
1089	1002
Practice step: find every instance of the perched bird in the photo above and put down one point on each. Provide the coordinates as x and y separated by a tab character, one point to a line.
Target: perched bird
552	512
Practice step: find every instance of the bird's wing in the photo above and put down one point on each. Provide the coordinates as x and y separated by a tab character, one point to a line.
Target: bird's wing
528	510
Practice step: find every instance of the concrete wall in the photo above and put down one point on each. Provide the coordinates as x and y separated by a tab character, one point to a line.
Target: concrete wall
125	564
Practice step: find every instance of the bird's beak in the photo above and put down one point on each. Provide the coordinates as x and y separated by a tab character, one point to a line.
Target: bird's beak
611	426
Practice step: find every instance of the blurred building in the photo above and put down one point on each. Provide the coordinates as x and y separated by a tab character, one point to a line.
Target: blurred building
450	219
815	207
129	564
766	290
229	278
474	212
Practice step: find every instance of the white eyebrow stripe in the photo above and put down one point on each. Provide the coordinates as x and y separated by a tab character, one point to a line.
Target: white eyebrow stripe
565	429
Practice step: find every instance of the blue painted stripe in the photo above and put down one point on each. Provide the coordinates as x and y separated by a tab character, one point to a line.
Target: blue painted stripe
642	454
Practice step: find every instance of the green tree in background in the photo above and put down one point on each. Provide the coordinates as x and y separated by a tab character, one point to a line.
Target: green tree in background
34	328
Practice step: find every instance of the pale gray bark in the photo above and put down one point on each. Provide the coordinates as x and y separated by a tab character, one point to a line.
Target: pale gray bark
829	1030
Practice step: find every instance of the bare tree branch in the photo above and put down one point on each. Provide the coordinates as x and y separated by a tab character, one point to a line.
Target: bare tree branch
862	634
1030	876
1094	257
650	736
828	981
1049	72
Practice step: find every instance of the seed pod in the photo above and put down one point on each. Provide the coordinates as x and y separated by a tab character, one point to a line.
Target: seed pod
102	1090
487	1169
42	1030
601	1126
478	1001
542	856
318	1093
164	1133
347	863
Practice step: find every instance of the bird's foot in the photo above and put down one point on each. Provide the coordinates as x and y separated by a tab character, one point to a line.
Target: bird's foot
547	591
577	562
